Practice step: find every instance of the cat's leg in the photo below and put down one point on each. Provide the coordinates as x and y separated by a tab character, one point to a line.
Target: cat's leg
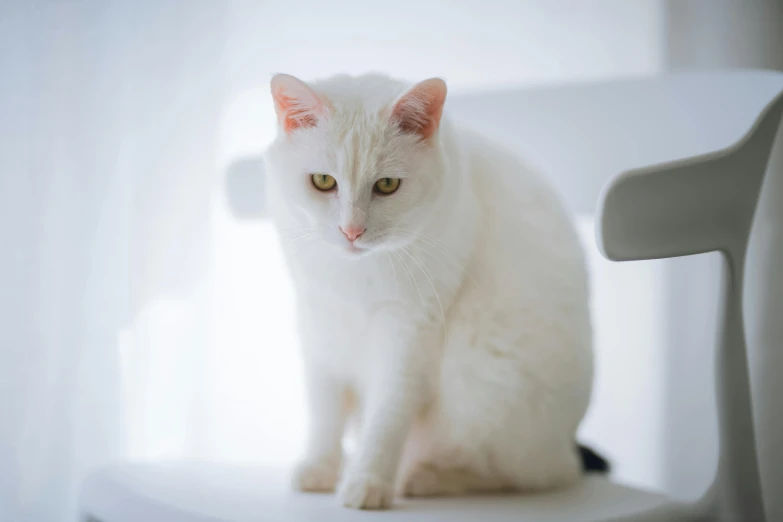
548	460
528	473
492	429
496	467
319	470
431	479
397	389
436	466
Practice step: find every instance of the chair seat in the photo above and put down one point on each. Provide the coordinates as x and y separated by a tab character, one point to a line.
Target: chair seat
200	492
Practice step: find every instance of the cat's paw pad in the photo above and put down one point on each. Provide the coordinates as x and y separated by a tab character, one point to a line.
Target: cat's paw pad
316	476
366	492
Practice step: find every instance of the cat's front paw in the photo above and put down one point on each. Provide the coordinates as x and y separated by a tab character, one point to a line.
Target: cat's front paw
319	476
366	492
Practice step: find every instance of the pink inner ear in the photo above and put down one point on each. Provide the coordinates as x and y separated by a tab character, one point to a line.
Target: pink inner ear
297	106
292	114
420	109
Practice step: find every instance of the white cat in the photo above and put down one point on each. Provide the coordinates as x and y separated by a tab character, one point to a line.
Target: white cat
441	291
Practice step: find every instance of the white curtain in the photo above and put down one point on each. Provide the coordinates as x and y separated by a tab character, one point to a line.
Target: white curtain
109	117
139	318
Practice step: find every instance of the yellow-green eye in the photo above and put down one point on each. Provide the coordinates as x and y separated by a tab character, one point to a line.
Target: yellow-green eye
324	182
387	186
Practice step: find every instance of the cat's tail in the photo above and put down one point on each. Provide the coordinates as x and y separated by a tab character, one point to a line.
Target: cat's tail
592	462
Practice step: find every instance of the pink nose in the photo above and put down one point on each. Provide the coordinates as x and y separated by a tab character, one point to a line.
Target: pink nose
352	232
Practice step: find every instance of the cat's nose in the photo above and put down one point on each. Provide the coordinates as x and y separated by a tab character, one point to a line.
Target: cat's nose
352	231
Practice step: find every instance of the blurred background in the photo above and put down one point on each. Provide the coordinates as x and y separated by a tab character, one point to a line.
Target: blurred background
145	309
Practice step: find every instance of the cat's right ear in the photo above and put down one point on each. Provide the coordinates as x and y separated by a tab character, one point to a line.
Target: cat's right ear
296	104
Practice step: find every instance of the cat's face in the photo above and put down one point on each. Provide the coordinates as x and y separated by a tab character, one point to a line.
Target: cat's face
359	179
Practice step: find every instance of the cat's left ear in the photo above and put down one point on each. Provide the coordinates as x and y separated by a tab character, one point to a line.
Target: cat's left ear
296	104
419	110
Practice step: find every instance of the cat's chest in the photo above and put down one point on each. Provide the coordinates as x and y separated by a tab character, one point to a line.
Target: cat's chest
346	323
346	285
338	335
347	314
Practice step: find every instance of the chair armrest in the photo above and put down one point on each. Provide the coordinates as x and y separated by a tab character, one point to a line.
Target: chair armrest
690	206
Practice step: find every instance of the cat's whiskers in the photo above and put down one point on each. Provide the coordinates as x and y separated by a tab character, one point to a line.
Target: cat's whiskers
304	241
427	274
297	233
435	243
394	272
413	279
294	230
407	273
301	237
428	241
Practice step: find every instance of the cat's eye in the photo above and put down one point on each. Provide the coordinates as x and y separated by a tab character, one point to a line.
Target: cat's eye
387	186
323	182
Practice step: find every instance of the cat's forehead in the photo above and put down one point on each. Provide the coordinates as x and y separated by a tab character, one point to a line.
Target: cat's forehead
362	145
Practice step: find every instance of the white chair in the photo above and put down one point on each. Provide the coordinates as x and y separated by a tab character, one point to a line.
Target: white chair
699	195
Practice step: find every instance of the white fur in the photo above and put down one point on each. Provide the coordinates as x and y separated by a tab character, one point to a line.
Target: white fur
463	327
